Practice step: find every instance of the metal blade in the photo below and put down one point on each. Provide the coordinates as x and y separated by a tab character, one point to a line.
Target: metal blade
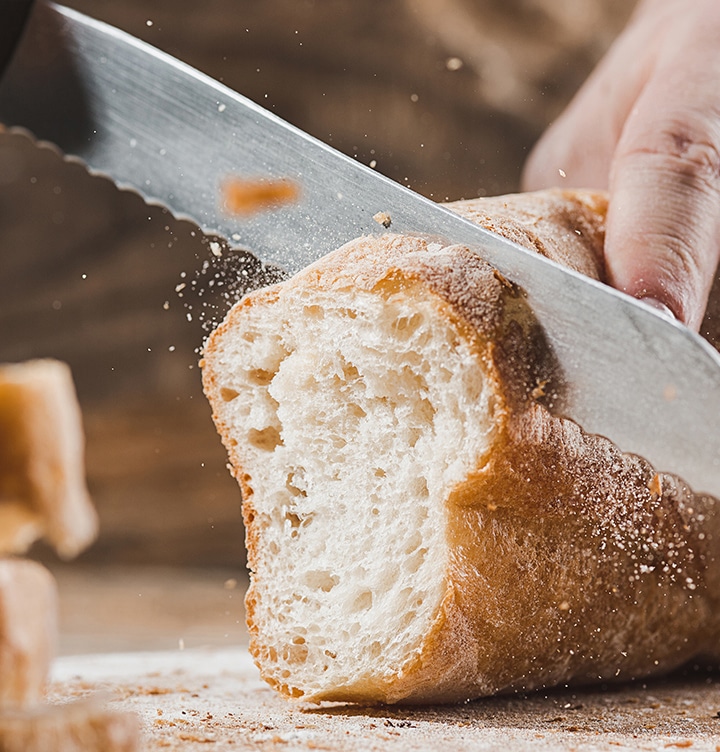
157	126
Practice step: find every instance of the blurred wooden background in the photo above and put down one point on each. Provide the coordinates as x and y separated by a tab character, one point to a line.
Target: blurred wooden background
445	95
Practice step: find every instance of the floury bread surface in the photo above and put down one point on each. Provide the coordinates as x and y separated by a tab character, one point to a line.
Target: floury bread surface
419	527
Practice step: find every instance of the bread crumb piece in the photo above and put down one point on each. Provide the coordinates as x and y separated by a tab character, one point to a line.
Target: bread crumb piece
383	218
655	485
251	196
539	390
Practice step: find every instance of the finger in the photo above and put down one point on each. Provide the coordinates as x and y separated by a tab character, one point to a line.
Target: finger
663	228
577	149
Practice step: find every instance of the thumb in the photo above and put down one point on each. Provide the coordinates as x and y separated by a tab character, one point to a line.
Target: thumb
663	226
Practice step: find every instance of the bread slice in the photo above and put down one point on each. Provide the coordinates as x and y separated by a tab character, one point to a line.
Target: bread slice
419	527
42	471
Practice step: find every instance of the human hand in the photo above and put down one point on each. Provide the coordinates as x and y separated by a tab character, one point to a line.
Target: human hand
646	126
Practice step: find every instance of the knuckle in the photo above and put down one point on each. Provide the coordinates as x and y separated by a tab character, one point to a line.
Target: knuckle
690	152
677	255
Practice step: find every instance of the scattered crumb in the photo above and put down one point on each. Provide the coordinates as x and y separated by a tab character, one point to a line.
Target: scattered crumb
505	282
231	584
539	390
655	485
454	63
383	218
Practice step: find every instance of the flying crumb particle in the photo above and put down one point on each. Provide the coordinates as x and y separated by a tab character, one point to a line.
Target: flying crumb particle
215	248
373	163
166	305
539	390
414	97
231	584
180	287
655	486
454	63
383	218
564	606
562	173
247	197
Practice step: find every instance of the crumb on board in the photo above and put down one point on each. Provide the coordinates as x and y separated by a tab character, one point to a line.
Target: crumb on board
246	197
383	218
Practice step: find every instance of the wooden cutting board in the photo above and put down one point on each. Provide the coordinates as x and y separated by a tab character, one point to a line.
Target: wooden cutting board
213	699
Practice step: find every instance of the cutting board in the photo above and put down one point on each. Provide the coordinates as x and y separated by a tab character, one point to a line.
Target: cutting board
213	699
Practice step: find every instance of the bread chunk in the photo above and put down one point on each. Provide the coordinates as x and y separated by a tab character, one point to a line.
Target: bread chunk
28	631
419	527
82	726
42	471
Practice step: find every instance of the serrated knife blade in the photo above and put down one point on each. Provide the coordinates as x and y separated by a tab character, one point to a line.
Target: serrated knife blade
155	125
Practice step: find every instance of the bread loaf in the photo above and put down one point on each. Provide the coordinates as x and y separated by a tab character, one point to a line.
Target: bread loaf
419	527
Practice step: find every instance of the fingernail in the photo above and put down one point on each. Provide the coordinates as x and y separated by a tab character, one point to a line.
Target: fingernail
656	305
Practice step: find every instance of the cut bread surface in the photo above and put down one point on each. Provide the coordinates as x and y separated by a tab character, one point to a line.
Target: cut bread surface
348	447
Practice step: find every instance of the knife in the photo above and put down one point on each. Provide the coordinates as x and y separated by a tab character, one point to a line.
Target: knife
156	126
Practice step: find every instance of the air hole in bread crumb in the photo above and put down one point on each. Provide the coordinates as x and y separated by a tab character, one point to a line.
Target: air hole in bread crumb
414	561
363	602
314	312
379	473
420	488
330	654
321	579
375	649
267	439
228	395
260	377
292	488
414	543
405	326
294	519
350	372
414	435
356	411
